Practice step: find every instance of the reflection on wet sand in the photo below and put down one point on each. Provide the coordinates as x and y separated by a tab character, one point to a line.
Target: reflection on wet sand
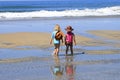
63	72
70	68
57	69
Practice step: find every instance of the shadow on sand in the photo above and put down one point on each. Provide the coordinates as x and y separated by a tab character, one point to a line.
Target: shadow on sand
72	55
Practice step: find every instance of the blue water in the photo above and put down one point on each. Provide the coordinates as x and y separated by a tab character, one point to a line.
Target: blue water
21	6
77	8
107	67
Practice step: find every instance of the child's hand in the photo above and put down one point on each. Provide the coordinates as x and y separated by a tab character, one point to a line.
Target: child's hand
51	42
62	42
75	43
65	43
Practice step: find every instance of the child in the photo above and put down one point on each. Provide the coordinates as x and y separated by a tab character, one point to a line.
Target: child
56	41
69	39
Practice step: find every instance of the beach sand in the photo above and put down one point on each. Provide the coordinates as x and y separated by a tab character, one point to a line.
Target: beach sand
13	40
93	65
33	39
25	51
107	34
37	40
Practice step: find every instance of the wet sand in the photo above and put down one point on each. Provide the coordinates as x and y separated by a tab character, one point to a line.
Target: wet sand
40	40
25	52
107	34
13	40
85	67
33	39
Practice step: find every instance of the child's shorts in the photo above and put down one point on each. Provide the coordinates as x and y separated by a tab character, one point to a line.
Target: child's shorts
57	46
68	43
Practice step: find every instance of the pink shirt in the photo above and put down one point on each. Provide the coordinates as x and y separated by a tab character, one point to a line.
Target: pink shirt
69	37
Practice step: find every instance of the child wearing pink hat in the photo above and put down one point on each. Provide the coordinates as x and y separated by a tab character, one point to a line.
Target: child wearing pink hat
69	39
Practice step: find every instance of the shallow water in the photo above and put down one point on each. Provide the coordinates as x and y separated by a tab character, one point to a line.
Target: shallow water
14	53
100	67
80	25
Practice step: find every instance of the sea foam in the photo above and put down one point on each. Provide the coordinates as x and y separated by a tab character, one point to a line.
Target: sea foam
107	11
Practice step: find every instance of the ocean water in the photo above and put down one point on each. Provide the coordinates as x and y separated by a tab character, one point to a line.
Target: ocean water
95	67
69	8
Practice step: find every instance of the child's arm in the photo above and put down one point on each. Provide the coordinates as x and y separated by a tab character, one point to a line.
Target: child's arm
74	39
52	36
51	41
65	39
62	40
62	37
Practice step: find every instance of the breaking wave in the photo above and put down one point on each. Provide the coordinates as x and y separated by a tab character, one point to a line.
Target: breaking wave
107	11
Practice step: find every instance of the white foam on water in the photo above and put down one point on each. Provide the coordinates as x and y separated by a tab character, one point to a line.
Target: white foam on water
107	11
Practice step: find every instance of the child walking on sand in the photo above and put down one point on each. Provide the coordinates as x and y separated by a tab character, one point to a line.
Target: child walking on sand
57	35
69	39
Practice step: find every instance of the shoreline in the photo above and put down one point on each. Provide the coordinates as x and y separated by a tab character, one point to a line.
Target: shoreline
60	18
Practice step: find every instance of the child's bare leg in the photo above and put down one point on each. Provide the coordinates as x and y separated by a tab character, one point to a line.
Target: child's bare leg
57	49
54	52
